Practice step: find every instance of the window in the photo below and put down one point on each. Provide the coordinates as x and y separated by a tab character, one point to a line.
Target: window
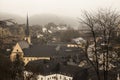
70	79
52	77
17	50
64	78
60	77
27	59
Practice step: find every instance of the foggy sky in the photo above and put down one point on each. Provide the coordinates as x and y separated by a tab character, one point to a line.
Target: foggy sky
60	7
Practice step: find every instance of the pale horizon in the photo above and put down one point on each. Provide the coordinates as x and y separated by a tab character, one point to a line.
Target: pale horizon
71	8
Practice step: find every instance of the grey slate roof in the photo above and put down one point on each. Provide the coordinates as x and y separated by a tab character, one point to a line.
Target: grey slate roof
49	51
23	44
51	67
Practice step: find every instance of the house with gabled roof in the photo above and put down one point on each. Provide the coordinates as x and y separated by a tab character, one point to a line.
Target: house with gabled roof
17	49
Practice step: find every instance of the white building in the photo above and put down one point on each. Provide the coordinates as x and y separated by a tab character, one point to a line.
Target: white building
54	77
49	77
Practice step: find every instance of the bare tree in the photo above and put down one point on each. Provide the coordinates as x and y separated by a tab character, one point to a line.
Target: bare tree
104	22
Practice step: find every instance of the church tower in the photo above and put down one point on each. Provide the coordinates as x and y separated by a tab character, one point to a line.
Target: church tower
27	33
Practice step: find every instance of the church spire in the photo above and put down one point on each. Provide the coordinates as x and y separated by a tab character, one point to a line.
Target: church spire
27	27
27	33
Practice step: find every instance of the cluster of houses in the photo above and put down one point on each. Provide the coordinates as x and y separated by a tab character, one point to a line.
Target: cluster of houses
33	54
53	70
49	61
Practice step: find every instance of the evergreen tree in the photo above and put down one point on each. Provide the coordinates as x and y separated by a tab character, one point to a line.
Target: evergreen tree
18	68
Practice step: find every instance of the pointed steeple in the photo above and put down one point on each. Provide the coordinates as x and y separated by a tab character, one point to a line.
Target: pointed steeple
27	33
27	27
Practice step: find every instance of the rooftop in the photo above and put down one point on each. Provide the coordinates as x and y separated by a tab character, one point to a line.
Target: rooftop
45	67
50	50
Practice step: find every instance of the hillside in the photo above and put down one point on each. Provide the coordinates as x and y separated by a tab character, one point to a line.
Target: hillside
46	18
16	18
41	19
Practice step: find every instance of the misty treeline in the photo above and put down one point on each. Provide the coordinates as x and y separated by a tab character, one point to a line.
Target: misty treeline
39	33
